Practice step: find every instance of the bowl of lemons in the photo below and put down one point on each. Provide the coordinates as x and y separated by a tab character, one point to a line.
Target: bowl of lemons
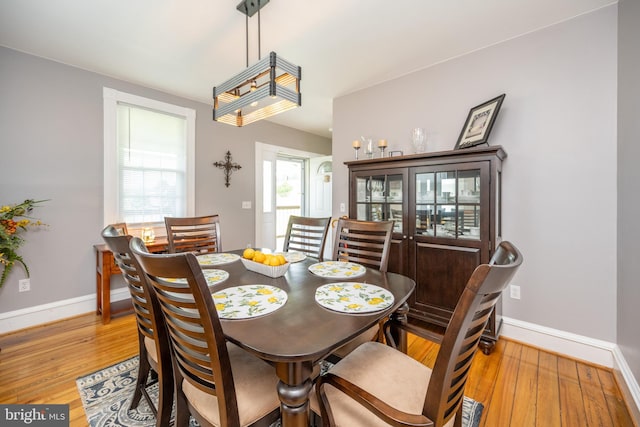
267	264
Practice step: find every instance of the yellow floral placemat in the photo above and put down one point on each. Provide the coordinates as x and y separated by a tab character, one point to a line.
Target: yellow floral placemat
243	302
217	259
213	277
352	297
337	269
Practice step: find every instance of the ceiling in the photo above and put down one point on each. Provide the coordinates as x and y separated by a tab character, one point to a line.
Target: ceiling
187	47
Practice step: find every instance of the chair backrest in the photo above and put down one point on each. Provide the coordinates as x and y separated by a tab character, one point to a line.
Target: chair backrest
199	234
461	338
306	235
364	242
198	343
148	316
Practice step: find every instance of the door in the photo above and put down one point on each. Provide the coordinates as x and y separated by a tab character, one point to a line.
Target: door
291	193
448	234
316	198
381	195
265	188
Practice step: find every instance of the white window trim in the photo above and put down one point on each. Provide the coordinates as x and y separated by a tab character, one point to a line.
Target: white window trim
111	97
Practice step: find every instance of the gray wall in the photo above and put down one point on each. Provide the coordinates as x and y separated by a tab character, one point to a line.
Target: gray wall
558	126
628	179
51	147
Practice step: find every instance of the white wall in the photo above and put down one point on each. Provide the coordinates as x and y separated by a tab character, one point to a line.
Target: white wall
558	126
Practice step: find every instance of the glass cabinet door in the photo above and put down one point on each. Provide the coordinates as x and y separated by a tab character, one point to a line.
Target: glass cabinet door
379	198
448	204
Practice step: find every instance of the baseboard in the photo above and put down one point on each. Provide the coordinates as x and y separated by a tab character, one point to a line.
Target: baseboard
576	346
628	384
33	316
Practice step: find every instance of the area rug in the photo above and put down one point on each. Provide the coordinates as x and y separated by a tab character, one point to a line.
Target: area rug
106	396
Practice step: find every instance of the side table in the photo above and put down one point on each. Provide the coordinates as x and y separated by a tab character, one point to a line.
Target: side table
105	268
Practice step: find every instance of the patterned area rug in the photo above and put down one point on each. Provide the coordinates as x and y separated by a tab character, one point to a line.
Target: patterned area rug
106	396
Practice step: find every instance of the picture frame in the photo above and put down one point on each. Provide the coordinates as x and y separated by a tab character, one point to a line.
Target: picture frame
479	123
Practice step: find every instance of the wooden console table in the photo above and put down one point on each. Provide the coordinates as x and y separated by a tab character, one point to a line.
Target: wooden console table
105	267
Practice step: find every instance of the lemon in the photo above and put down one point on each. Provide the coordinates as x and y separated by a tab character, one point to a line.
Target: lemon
274	261
248	253
281	259
259	257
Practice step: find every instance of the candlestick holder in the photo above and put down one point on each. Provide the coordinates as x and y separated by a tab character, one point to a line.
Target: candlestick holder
356	147
382	145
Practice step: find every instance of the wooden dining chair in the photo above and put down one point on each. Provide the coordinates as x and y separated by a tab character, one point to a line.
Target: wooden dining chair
217	382
377	385
153	341
367	243
200	234
363	242
306	235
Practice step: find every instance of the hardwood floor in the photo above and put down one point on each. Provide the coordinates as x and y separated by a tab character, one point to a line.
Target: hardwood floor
518	385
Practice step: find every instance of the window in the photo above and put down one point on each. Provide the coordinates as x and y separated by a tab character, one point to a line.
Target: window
148	160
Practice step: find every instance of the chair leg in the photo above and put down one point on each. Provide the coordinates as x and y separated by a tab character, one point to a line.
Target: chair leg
165	405
143	373
182	408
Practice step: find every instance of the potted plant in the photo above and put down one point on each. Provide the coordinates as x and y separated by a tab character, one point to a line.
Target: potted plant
15	220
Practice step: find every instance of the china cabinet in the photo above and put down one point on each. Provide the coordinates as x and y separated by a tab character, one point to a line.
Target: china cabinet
447	212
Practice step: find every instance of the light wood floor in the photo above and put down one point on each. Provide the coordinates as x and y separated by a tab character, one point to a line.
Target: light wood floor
520	386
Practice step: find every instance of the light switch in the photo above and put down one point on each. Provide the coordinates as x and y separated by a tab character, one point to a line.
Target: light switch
246	205
343	208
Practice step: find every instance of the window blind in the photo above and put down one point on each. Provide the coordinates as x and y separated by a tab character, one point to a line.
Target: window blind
152	164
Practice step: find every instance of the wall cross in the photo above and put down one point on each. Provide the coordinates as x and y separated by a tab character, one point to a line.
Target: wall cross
228	167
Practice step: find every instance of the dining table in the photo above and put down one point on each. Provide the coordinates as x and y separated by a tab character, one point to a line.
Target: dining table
298	335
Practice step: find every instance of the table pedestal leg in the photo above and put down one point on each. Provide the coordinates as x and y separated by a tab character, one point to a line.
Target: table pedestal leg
293	390
400	335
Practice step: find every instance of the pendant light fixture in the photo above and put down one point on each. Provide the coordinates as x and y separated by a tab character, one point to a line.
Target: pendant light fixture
269	87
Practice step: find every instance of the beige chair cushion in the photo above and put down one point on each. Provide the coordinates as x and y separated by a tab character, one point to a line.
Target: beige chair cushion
255	383
388	374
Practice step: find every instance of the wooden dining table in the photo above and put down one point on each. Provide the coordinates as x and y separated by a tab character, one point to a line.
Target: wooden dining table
301	333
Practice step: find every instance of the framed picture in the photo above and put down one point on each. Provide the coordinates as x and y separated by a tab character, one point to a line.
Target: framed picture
479	122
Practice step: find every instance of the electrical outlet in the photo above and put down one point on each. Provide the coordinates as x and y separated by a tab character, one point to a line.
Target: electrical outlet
24	285
514	291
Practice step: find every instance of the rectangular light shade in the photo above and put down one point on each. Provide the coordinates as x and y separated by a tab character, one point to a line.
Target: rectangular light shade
269	87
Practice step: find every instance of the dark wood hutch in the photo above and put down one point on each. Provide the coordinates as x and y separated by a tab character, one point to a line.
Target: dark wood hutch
447	211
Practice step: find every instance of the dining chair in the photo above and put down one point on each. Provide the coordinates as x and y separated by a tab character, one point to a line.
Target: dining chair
217	382
200	234
306	235
153	341
377	385
363	242
367	243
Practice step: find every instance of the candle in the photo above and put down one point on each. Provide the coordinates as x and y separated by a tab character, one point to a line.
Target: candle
356	144
382	143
